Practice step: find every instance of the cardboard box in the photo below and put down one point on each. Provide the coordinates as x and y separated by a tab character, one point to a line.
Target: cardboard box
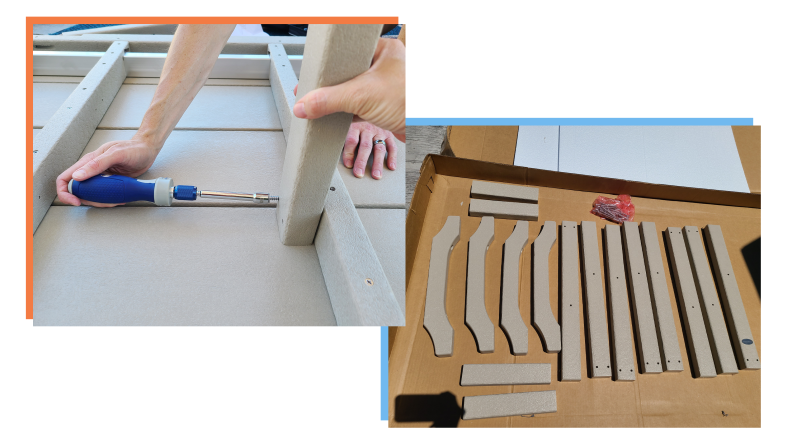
424	390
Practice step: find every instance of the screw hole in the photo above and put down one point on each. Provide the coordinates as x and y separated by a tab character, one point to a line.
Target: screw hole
596	366
332	188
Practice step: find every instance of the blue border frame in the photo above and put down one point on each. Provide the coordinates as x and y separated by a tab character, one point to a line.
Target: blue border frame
384	373
579	121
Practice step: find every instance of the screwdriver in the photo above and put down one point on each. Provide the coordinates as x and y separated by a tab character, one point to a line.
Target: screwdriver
113	189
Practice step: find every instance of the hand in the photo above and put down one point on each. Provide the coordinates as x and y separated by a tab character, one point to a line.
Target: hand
131	158
364	134
376	96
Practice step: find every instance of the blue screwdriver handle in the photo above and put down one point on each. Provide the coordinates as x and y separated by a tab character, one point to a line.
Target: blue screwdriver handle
115	189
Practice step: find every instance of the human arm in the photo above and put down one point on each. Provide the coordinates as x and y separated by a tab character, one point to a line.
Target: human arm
190	59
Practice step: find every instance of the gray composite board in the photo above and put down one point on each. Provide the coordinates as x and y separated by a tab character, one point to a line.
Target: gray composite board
718	334
596	315
284	82
503	209
690	308
66	133
511	320
334	54
543	319
476	317
435	316
508	404
167	266
661	301
646	342
506	192
620	328
504	374
139	43
356	282
214	108
570	303
733	307
386	229
47	99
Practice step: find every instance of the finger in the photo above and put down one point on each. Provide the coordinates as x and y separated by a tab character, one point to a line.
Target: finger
350	145
295	89
98	165
364	150
393	149
346	97
62	182
101	205
379	158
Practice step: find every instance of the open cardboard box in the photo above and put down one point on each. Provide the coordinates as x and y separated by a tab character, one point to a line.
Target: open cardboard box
424	390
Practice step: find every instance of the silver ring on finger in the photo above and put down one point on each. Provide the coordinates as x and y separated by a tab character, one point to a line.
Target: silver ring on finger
379	141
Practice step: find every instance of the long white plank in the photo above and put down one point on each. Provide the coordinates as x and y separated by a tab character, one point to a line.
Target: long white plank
620	328
537	147
570	302
690	306
690	156
661	301
740	329
599	352
646	340
720	344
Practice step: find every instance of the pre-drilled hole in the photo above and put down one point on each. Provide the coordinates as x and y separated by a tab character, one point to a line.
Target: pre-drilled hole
332	188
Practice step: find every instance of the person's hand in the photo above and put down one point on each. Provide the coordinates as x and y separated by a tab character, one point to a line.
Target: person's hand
131	158
362	136
376	96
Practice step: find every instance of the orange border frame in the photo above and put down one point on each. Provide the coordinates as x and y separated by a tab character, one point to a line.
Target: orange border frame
393	20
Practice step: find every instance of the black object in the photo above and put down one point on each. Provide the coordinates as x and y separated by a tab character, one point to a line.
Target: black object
752	253
441	409
285	30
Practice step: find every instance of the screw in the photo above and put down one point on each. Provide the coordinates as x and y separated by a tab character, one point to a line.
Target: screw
369	282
